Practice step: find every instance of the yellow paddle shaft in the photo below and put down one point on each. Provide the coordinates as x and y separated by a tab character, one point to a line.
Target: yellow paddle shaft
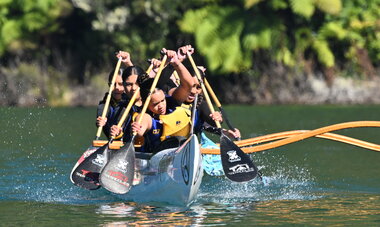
108	100
207	97
155	81
209	89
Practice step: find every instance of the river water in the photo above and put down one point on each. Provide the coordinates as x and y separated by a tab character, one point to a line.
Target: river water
311	182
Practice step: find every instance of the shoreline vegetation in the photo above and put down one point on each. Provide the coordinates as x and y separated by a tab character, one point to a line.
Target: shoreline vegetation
28	85
59	52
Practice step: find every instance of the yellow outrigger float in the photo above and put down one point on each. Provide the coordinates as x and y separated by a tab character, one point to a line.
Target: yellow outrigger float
251	145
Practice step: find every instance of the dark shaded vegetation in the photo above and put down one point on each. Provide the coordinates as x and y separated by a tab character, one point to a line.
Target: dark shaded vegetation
59	52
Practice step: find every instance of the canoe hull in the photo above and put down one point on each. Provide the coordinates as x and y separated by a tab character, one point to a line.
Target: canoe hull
171	176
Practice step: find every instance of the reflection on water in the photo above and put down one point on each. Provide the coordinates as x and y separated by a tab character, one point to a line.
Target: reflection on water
197	214
138	214
328	209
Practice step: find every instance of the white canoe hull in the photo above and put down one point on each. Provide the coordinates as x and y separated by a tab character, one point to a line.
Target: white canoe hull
172	176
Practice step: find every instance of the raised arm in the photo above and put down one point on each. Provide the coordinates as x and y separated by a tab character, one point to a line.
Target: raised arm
181	92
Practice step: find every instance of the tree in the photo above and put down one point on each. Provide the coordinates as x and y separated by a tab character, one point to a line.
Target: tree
25	24
233	35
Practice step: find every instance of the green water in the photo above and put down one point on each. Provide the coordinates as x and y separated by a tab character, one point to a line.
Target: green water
311	182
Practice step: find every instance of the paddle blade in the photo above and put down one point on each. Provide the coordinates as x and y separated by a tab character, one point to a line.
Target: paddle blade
237	165
117	175
86	174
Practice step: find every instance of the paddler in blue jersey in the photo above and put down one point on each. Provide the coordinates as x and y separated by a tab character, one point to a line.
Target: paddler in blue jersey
131	76
118	95
152	126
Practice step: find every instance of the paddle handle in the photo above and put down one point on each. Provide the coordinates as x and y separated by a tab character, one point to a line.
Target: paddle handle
108	100
207	97
193	115
154	84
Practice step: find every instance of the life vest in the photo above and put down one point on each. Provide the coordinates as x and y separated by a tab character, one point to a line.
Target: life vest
177	123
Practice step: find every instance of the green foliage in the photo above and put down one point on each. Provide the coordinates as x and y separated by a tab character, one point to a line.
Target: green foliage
329	6
288	30
361	19
278	4
249	3
223	44
222	36
11	30
140	27
325	56
24	23
232	36
333	29
284	55
304	8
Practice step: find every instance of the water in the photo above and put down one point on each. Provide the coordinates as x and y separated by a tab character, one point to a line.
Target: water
312	182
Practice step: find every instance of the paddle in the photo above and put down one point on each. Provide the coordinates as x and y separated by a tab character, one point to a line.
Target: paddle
193	115
86	171
108	100
216	100
237	165
117	175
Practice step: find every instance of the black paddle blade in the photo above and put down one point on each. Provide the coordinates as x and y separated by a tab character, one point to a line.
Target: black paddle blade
117	175
86	174
237	165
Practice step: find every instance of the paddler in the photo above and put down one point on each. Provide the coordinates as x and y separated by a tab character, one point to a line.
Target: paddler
130	77
117	96
151	127
204	119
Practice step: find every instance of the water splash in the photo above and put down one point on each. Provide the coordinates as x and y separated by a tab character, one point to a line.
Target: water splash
279	182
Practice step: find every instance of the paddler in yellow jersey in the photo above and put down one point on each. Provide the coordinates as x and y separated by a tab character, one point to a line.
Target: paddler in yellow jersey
204	120
152	127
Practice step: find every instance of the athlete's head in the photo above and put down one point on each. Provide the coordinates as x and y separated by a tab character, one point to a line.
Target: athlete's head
131	75
118	89
157	104
196	88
